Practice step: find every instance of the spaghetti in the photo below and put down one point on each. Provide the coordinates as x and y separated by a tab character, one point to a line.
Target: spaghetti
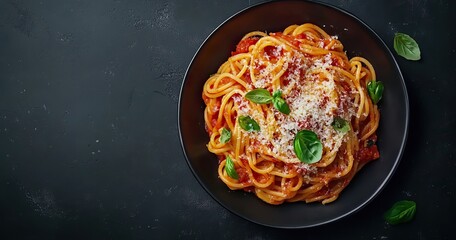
318	84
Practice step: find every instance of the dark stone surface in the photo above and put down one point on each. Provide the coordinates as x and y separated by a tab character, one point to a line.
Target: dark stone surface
89	145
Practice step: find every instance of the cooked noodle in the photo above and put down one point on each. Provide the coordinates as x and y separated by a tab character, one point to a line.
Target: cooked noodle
319	83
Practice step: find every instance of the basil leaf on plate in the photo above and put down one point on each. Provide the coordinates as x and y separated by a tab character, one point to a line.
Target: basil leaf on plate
279	103
340	124
259	95
307	146
225	136
230	170
375	89
406	47
248	124
401	212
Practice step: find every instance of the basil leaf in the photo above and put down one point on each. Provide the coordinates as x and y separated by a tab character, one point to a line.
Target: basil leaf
375	89
225	136
401	212
230	170
341	125
248	124
277	94
406	47
370	143
307	146
262	96
279	103
259	95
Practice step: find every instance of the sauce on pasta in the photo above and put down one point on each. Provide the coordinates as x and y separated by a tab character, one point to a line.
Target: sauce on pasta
319	84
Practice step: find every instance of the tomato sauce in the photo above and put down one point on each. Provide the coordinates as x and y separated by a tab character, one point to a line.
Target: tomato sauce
272	53
243	45
366	154
246	77
243	175
337	62
369	150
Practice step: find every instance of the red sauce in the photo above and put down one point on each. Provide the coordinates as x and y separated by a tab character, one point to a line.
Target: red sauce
246	77
272	53
293	68
324	102
291	168
226	80
221	158
337	62
258	68
242	172
243	175
322	192
260	177
243	45
302	36
366	154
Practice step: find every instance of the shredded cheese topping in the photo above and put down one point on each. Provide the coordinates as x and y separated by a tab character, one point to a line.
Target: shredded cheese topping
313	98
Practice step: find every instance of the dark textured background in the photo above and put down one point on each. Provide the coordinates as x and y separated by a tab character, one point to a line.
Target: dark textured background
89	145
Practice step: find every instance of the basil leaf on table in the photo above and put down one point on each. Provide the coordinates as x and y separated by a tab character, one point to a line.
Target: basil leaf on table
406	47
248	124
375	89
340	125
279	103
225	136
259	95
401	212
307	146
230	170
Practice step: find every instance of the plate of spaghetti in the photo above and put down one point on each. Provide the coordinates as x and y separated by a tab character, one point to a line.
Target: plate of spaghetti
293	114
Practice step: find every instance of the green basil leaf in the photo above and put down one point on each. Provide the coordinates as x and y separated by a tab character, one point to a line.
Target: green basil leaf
370	143
248	124
279	103
401	212
225	136
340	124
259	95
230	170
375	89
277	94
406	47
307	146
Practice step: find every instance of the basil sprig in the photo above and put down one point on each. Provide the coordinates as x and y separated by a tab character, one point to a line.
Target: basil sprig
307	146
230	170
225	136
375	89
247	123
401	212
279	103
263	96
341	125
406	47
259	95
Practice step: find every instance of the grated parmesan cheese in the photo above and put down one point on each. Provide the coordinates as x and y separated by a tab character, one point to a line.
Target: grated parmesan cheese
314	102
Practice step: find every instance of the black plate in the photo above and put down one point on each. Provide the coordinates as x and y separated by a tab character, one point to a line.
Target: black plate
358	39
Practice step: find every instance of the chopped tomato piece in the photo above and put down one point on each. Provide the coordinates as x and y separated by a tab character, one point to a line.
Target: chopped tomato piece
244	44
367	154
